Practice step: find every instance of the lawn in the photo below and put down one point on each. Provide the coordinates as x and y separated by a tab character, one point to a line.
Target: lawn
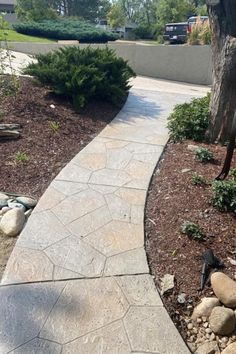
13	36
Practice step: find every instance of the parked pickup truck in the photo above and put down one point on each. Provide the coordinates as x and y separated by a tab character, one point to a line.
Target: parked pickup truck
176	32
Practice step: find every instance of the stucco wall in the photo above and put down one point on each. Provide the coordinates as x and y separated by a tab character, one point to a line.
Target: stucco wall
192	64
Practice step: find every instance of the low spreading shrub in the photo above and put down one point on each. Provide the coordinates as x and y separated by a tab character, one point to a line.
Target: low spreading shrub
224	195
192	230
190	120
82	74
66	30
199	180
204	155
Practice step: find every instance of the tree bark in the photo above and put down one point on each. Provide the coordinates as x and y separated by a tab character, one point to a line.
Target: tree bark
222	14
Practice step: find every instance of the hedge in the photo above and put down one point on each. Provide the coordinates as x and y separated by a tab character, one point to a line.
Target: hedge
66	30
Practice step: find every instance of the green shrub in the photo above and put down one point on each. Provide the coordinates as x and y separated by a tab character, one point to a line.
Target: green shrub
203	155
198	180
190	120
192	230
232	173
224	195
144	32
82	74
66	30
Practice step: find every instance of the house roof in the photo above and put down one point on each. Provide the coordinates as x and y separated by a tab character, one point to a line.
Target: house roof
7	2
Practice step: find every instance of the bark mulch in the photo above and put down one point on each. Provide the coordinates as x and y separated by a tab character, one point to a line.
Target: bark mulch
50	137
172	200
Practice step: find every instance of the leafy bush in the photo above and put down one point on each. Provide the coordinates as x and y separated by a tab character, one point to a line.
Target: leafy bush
224	198
232	173
192	231
190	120
66	30
144	32
198	180
82	74
203	155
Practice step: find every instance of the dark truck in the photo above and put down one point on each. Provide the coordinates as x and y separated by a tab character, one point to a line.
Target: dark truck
176	33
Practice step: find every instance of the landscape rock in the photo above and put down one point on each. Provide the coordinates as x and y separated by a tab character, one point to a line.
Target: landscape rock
167	283
222	320
3	196
4	210
12	222
26	201
224	288
3	203
205	307
12	205
185	170
28	213
208	348
192	148
231	349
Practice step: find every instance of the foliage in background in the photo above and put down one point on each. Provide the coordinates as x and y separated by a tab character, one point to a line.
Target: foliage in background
204	155
190	120
192	230
224	195
200	34
38	10
116	16
82	74
67	30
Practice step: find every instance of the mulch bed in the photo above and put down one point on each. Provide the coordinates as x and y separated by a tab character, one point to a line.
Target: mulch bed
48	150
172	200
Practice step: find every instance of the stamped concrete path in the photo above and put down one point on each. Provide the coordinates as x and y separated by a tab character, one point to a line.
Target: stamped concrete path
78	279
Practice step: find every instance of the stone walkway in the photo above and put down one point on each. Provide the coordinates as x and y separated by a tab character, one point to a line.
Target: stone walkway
78	279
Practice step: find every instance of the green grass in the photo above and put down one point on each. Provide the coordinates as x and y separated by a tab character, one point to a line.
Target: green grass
13	36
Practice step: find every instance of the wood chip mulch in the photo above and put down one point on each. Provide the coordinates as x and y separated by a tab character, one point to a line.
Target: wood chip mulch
172	200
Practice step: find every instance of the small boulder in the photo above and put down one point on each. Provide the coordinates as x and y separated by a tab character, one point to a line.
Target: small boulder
205	307
13	204
208	348
192	148
3	196
26	201
12	222
224	288
231	349
222	320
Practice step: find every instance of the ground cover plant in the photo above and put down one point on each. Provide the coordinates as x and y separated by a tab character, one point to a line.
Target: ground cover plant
84	74
204	155
62	29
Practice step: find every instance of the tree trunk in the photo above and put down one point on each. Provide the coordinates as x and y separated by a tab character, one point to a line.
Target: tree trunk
222	15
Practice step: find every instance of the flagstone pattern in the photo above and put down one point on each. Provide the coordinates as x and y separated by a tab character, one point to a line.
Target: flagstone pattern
78	279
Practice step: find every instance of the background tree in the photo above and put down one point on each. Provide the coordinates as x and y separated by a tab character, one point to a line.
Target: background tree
173	11
35	10
222	15
116	17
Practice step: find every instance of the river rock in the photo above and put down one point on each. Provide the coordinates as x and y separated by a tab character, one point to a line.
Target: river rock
205	307
4	210
222	320
13	205
3	196
12	222
26	201
224	288
208	348
231	349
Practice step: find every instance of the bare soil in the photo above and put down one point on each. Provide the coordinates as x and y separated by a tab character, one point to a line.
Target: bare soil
172	200
50	137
